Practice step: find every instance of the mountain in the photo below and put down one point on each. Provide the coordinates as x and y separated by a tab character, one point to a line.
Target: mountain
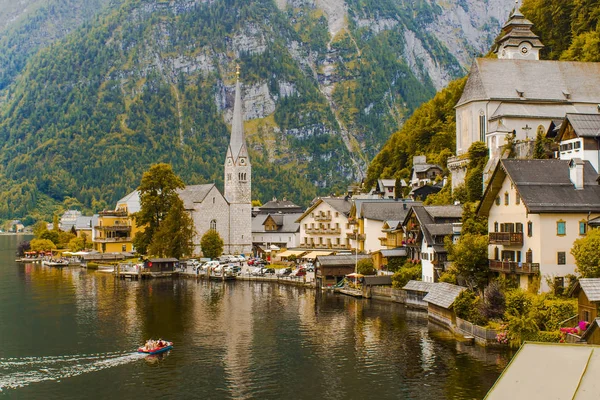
127	84
570	31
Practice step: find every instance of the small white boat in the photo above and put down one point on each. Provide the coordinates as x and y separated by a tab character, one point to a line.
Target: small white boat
55	263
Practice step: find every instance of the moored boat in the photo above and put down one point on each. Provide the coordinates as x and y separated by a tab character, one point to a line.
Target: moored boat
155	347
55	263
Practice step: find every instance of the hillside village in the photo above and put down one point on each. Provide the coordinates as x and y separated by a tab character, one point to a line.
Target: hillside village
540	123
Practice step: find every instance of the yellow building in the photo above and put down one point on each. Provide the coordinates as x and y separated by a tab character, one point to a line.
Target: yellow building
114	229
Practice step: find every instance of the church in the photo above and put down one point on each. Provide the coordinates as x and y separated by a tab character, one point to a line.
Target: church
519	95
230	213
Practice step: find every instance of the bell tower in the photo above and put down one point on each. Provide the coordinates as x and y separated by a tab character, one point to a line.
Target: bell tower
517	41
238	178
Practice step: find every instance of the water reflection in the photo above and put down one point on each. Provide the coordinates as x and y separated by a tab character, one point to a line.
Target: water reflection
232	340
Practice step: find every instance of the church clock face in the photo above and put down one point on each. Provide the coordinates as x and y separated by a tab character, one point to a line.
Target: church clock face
524	50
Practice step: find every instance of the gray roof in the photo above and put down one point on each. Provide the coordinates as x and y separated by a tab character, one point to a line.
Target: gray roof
443	294
286	223
161	260
440	229
419	286
594	222
133	202
545	186
585	125
425	167
591	288
341	259
340	205
377	280
445	211
383	211
194	194
528	110
554	81
83	222
237	144
279	206
397	252
387	182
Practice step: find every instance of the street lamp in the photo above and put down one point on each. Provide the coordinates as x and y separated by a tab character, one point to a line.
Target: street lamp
356	249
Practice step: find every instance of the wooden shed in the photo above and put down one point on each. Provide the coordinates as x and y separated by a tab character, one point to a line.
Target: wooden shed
587	291
440	300
416	292
332	269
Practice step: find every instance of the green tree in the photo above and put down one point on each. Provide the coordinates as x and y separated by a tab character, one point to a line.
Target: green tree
158	195
587	256
211	244
365	267
478	156
42	245
539	150
55	223
39	229
408	272
174	237
471	222
469	257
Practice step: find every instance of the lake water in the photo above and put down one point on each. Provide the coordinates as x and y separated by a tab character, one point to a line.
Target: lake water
71	333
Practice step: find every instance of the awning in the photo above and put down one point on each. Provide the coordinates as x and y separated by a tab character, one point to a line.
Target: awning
289	253
314	254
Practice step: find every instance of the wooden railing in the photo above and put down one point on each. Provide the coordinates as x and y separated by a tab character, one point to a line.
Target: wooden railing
506	238
514	267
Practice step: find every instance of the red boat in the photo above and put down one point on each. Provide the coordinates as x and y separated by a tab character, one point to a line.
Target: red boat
155	347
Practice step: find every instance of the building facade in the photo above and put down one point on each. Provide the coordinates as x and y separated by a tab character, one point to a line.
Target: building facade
536	209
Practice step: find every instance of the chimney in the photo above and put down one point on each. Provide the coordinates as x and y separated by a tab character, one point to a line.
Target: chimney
576	173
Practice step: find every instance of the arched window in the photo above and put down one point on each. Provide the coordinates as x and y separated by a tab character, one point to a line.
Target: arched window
213	224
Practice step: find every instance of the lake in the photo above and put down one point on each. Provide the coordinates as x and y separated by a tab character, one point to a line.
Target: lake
72	333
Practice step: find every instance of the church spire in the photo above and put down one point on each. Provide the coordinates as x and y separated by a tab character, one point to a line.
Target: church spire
517	41
238	140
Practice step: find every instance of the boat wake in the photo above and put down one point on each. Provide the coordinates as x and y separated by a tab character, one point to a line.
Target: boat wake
20	372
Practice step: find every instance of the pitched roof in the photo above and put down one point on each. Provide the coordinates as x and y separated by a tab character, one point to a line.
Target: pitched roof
419	286
286	223
238	140
279	206
443	294
550	371
545	186
83	222
340	205
445	211
425	167
341	259
591	288
194	194
387	182
584	125
553	81
440	229
382	211
397	252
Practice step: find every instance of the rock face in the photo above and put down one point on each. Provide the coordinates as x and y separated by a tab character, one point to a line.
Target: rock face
325	82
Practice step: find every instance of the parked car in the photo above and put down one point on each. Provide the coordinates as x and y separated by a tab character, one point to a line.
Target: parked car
299	272
268	271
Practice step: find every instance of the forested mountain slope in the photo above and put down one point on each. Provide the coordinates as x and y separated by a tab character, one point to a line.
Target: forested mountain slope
569	29
325	84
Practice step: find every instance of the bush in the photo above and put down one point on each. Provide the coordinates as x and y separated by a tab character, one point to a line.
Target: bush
518	303
545	336
494	302
550	312
449	276
365	267
408	272
467	306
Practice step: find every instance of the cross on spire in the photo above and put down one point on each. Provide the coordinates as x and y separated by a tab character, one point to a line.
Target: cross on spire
237	70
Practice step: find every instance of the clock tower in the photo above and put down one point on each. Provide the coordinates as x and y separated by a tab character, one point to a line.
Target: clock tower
238	177
517	41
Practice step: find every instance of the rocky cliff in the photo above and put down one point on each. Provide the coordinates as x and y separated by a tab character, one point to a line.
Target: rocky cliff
326	82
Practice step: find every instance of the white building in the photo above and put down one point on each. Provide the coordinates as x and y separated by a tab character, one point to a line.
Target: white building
281	230
517	94
579	137
325	224
536	209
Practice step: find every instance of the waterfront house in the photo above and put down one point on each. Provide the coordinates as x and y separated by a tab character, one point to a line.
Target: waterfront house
281	230
536	209
587	291
325	224
416	292
541	371
440	301
425	228
579	137
161	265
330	270
113	230
68	220
518	94
83	225
368	217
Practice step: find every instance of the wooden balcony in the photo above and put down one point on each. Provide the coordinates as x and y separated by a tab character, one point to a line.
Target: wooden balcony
113	239
506	238
512	267
114	228
361	236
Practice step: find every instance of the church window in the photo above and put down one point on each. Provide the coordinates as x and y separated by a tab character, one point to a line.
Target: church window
213	200
228	177
506	202
482	126
213	224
